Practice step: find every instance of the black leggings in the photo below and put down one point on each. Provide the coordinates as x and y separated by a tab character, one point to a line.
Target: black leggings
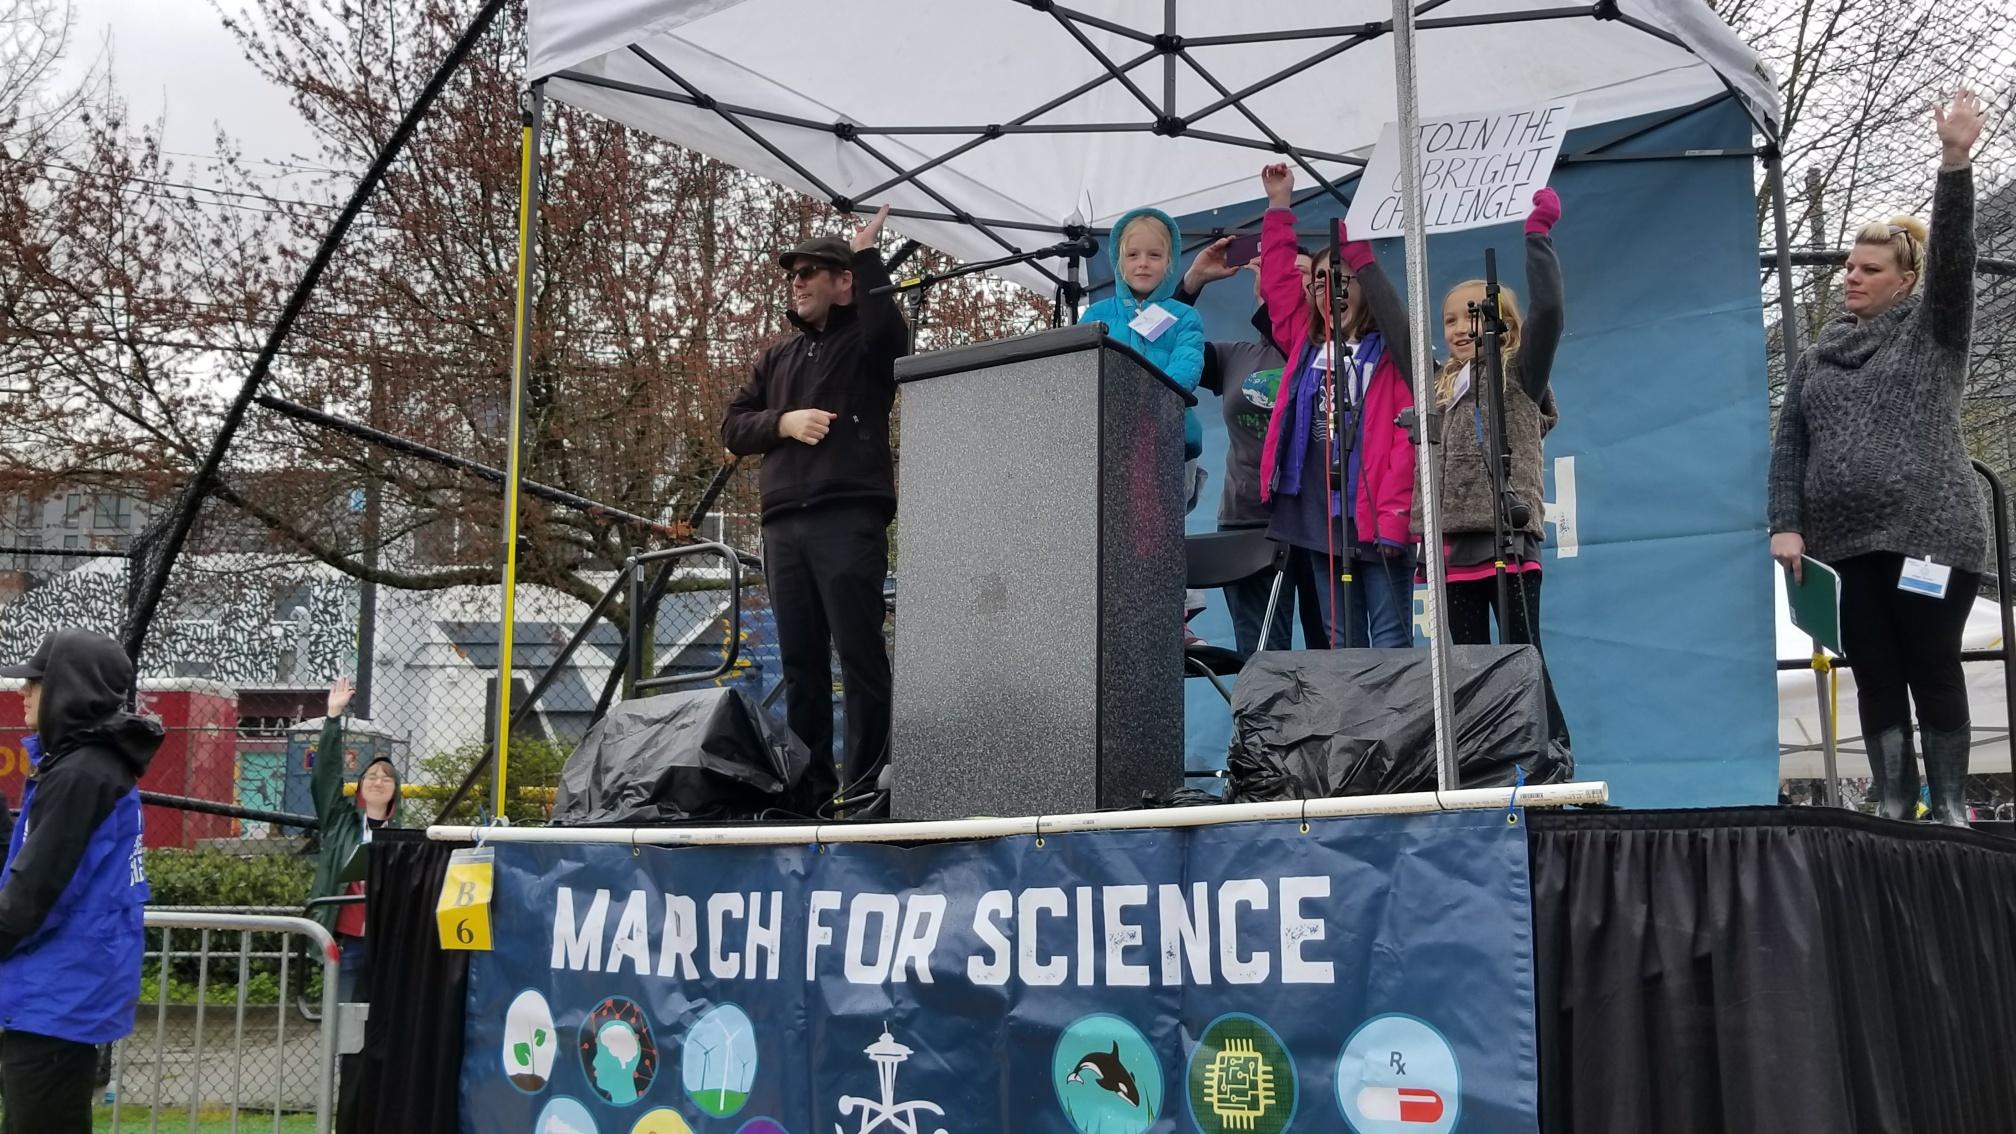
1470	610
1898	641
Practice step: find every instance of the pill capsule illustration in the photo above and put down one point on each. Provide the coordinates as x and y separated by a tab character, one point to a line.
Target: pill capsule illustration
1400	1104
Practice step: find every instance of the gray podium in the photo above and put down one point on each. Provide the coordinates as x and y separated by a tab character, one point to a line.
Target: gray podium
1039	624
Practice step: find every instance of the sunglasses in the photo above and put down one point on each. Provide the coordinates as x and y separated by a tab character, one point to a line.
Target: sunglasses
803	273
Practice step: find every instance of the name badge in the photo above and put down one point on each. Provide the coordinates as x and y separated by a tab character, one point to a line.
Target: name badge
1151	321
1924	577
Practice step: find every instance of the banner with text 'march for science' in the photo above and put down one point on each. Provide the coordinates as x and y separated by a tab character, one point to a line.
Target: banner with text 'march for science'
1370	975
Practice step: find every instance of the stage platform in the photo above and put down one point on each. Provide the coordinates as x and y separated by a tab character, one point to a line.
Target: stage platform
1751	969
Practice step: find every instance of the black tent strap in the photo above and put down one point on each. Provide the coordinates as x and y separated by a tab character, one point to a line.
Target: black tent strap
863	145
1119	74
1019	123
1280	144
838	200
1089	20
1365	35
413	448
732	119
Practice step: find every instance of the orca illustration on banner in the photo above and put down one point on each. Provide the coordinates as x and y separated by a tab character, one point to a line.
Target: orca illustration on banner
1108	1073
1107	1077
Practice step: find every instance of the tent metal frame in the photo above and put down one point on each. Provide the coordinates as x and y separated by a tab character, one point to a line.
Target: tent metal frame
1164	118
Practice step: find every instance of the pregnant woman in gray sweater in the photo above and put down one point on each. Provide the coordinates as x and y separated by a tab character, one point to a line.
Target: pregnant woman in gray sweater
1869	474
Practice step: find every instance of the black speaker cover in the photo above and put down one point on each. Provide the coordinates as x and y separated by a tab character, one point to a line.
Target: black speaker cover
1310	724
697	754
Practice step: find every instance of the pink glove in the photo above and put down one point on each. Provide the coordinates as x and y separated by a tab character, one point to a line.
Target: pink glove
1546	210
1356	253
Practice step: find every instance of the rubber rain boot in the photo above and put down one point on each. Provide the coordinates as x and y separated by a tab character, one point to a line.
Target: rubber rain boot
1946	773
1895	768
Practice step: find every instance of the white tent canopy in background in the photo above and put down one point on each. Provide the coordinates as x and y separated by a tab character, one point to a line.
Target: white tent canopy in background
1799	754
761	84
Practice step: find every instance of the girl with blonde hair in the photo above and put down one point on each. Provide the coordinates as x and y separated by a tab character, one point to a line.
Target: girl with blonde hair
1468	500
1870	475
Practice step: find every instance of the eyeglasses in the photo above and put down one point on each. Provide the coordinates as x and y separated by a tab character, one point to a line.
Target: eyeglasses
1336	276
803	273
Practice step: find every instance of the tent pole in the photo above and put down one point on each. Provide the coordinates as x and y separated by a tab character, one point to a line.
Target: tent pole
1788	309
1788	337
521	365
1447	776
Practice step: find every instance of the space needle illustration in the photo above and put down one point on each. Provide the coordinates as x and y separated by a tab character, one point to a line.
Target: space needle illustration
904	1117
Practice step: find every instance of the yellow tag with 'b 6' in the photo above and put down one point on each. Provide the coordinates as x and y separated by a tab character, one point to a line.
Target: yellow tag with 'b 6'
463	913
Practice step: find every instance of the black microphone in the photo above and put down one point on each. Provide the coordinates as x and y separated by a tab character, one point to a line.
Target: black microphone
1083	246
1521	514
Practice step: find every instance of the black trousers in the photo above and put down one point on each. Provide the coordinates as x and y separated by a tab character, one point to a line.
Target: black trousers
48	1084
1472	610
1904	647
824	566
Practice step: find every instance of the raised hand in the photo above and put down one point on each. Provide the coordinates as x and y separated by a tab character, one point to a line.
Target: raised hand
1546	211
1279	181
1959	127
339	696
1209	266
866	236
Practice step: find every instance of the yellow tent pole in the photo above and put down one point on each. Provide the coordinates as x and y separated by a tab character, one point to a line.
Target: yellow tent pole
521	363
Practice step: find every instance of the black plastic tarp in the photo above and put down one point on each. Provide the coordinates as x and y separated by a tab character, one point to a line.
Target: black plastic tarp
697	754
1316	723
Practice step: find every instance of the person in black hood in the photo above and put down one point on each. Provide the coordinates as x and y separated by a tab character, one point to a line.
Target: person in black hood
74	883
816	406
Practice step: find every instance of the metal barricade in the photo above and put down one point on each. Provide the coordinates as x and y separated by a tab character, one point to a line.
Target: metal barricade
277	1072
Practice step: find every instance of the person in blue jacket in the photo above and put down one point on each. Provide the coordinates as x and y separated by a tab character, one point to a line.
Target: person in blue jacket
74	882
1143	313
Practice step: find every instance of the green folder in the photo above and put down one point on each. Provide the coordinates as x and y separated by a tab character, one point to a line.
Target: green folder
1816	604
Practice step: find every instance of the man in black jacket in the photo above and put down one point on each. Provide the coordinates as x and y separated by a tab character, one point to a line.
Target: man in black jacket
817	407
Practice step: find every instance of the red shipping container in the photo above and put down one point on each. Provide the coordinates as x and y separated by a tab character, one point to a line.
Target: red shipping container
198	758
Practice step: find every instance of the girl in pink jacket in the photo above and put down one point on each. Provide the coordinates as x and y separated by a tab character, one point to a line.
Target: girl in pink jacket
1338	472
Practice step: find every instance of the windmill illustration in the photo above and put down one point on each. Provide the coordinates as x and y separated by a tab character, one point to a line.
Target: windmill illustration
904	1118
707	1073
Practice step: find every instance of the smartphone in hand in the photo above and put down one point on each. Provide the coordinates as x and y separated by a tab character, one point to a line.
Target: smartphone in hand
1241	251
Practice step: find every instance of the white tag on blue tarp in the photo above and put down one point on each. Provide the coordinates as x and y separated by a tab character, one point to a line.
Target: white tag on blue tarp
1924	577
1151	321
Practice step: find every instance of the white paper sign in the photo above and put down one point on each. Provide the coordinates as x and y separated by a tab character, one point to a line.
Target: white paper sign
1151	321
1476	170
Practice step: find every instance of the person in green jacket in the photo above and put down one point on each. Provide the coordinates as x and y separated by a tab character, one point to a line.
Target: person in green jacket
347	824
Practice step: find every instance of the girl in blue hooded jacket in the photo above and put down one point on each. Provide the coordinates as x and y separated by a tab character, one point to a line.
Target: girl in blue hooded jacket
1143	311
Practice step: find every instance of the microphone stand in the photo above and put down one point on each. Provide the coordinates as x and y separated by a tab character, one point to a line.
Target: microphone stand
1508	515
1074	250
1342	435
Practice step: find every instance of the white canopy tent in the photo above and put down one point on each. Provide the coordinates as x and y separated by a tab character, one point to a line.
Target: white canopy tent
998	125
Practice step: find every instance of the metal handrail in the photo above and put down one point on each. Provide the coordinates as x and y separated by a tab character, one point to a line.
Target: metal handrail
634	681
168	921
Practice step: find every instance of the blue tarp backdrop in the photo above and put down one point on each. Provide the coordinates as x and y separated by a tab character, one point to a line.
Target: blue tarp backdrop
1658	628
1371	974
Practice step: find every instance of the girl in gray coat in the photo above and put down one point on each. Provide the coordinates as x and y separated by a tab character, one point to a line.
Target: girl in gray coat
1869	474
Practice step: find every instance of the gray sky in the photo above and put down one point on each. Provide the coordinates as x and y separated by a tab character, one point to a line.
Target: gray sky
173	60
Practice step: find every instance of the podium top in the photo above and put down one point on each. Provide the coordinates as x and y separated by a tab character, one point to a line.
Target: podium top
1022	348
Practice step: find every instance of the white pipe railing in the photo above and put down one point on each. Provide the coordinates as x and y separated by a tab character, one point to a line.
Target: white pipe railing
1409	803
